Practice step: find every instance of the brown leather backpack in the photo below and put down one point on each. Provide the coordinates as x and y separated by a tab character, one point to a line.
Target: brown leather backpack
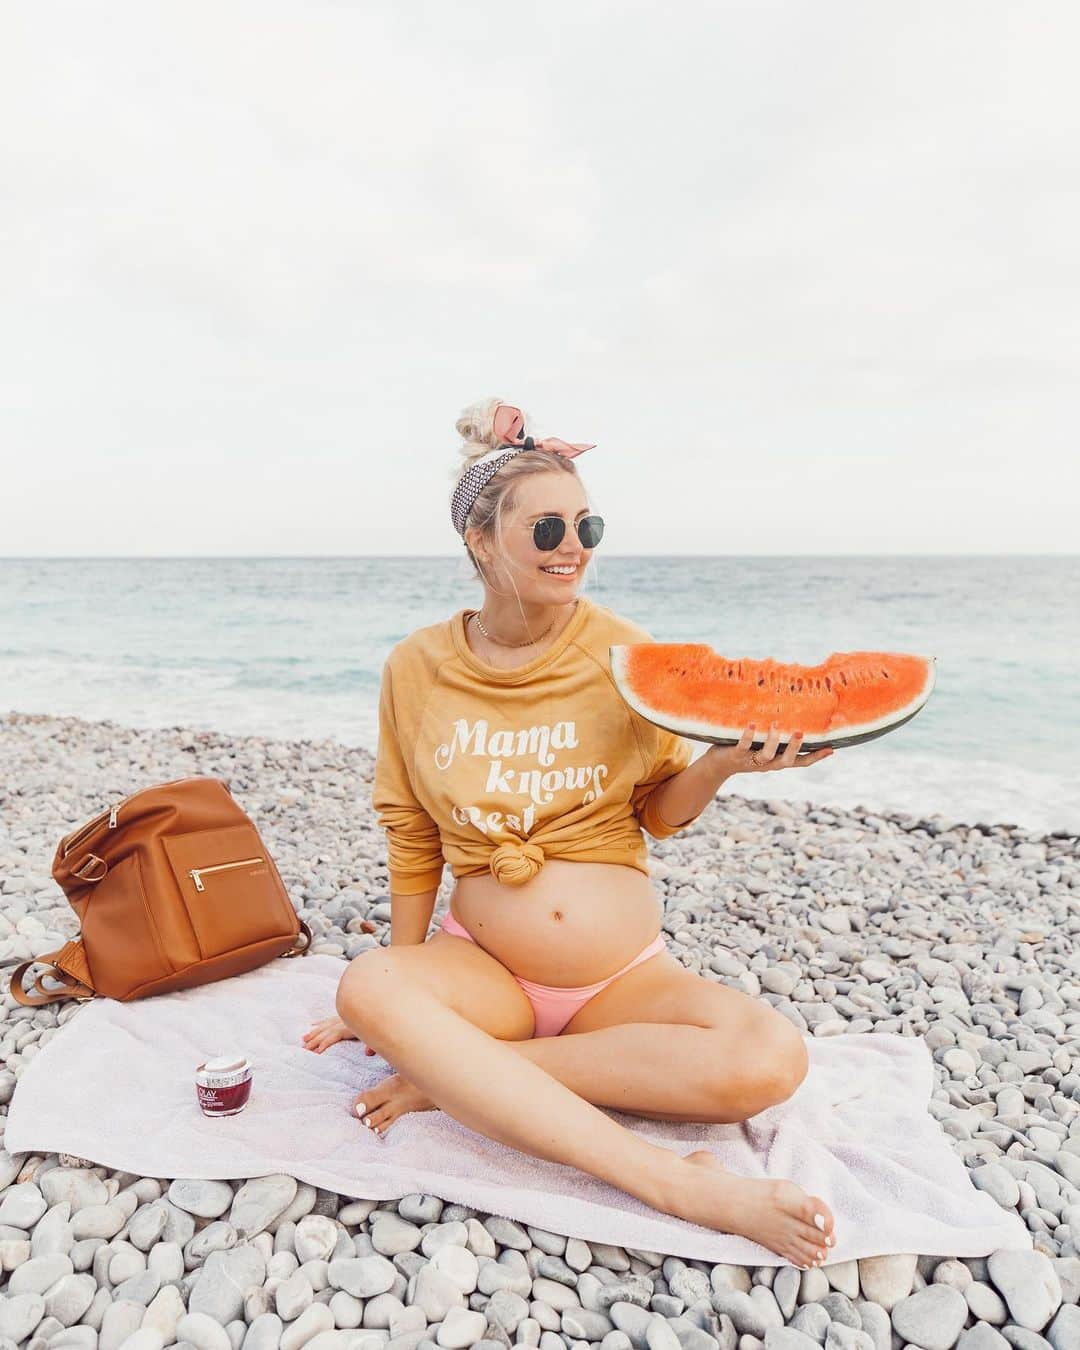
173	888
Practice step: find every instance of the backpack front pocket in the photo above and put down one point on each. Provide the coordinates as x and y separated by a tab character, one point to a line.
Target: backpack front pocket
230	888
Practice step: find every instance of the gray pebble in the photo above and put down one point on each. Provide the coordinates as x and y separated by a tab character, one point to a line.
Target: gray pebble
363	1276
842	1337
22	1206
746	1315
35	1275
812	1319
885	1280
292	1296
202	1331
391	1235
507	1233
1029	1285
982	1337
146	1338
996	1181
207	1199
986	1303
121	1319
791	1338
259	1202
841	1309
417	1209
20	1314
658	1334
932	1317
875	1323
583	1325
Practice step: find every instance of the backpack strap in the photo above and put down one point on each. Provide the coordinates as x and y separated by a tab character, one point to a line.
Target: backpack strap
69	967
302	948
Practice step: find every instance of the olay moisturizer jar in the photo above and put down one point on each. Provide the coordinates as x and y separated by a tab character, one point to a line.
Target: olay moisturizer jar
223	1084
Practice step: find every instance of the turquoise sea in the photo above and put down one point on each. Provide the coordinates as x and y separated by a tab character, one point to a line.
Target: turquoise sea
293	648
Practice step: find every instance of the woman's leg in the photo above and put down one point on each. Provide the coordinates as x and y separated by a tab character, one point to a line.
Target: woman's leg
501	1095
481	1082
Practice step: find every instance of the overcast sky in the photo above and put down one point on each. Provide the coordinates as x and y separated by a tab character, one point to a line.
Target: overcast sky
808	275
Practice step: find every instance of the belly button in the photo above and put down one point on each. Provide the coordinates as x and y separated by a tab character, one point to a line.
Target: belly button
555	914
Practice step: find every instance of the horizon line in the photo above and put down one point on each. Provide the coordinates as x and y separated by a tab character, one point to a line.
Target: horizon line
450	557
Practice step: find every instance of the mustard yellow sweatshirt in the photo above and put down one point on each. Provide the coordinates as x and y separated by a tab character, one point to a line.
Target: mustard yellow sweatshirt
496	770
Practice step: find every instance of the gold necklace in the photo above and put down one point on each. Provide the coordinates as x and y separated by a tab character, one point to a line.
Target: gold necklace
496	641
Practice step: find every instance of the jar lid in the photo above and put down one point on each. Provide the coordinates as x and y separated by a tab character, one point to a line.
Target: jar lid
229	1062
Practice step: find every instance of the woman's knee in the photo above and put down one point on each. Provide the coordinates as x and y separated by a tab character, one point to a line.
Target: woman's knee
773	1063
786	1060
364	985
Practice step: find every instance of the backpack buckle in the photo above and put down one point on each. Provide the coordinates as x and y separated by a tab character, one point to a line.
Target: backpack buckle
90	861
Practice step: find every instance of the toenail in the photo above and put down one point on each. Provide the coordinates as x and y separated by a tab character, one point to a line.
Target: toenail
367	1121
819	1219
821	1256
361	1107
828	1242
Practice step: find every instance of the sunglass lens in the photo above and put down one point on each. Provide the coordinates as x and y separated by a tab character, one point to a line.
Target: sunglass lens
590	531
548	532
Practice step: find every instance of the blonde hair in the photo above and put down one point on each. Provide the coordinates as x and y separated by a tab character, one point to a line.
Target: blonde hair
498	497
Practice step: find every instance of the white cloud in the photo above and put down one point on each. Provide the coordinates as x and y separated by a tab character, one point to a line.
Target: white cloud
267	254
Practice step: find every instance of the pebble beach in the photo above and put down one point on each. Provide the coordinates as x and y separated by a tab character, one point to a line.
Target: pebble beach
963	933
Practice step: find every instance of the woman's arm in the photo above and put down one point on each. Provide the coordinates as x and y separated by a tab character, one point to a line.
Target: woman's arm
410	916
686	794
683	797
413	846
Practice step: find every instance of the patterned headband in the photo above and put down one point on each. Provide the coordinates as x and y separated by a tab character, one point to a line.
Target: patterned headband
508	425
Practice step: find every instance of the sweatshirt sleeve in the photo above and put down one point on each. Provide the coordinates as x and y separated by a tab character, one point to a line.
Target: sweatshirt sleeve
412	837
672	755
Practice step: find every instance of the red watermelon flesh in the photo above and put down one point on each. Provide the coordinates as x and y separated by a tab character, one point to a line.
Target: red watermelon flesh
850	697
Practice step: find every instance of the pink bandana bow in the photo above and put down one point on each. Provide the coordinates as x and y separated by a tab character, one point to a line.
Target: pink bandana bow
508	424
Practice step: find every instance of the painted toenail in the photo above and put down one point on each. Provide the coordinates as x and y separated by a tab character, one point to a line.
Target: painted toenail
821	1256
360	1108
819	1219
828	1242
367	1121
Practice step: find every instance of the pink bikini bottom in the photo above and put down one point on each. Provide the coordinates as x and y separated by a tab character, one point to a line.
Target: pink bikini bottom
553	1006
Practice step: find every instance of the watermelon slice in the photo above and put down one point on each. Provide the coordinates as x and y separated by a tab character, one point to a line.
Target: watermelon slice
850	697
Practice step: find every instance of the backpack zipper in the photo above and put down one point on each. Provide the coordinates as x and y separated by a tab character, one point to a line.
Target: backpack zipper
196	873
71	840
91	825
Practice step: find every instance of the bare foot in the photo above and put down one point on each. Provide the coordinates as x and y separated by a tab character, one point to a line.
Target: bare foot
391	1097
327	1032
778	1214
382	1104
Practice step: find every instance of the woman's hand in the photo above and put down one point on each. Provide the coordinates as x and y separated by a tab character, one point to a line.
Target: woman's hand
741	759
326	1033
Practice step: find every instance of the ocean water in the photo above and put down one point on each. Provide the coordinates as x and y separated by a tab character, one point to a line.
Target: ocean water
293	648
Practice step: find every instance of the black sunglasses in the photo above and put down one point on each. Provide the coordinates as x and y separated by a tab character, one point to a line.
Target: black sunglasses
548	532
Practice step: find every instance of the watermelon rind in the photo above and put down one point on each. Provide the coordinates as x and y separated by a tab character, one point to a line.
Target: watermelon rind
721	735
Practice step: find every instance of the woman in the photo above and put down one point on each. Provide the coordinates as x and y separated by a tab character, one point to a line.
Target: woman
506	750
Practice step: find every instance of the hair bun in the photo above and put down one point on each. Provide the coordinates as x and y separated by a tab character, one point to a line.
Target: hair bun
475	427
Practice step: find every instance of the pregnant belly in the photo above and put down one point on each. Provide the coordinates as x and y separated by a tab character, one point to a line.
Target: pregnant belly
574	923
